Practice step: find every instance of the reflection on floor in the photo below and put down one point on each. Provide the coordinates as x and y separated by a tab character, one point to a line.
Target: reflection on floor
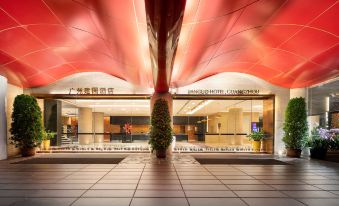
180	147
143	180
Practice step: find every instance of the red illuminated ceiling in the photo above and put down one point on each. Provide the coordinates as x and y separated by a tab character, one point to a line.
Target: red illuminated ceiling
291	43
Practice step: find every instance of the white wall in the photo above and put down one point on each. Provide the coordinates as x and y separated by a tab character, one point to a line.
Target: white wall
233	80
3	121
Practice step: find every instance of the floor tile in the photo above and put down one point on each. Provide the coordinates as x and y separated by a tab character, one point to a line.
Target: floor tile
159	187
200	177
295	187
9	201
159	202
322	202
41	193
45	201
272	201
109	193
282	182
159	193
250	187
205	187
241	182
210	193
102	202
259	194
216	202
200	182
310	194
328	187
114	187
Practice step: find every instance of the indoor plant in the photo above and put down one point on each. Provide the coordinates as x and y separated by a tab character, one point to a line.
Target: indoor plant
26	126
256	138
161	131
321	140
46	139
295	126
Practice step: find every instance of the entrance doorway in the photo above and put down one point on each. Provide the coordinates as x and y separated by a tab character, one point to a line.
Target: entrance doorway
200	123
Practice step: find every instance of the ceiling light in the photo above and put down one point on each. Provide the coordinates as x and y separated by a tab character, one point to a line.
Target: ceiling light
199	106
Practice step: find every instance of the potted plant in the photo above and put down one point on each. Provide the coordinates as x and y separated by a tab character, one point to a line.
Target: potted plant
256	138
320	141
26	126
46	139
295	126
161	131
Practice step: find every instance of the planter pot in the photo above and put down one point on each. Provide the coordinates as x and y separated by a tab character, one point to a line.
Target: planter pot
27	152
318	153
256	146
161	153
293	152
306	152
46	144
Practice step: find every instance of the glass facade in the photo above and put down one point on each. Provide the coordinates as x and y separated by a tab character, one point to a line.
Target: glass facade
199	125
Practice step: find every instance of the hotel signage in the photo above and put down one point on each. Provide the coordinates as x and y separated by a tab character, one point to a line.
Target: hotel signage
92	90
224	91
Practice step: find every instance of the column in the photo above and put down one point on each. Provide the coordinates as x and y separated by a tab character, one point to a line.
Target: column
98	127
168	97
85	123
52	118
298	92
3	118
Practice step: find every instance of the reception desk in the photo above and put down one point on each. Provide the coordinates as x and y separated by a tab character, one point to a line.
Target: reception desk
226	139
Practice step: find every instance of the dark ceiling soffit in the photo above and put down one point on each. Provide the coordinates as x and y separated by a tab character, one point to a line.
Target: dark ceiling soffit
164	20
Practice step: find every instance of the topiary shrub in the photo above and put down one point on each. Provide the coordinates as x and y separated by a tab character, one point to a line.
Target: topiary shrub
26	127
295	125
161	131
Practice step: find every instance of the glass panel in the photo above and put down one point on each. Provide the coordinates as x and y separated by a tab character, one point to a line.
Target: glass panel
216	125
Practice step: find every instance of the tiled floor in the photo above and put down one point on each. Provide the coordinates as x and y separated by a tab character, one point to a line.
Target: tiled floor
144	180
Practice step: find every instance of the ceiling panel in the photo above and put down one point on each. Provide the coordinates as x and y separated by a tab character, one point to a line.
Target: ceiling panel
290	43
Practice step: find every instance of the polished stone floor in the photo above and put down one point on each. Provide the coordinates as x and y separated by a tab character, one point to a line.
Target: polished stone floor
141	179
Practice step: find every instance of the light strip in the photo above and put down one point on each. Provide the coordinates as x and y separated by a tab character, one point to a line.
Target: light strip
115	100
199	106
118	105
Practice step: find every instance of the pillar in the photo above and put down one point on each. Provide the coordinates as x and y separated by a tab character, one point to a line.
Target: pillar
168	97
98	127
52	119
235	125
3	118
298	92
85	125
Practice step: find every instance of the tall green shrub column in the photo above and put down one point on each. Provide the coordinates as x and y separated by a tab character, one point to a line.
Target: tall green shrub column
26	127
295	126
161	130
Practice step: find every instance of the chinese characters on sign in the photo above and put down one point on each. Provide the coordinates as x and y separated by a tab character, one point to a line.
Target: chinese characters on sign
93	90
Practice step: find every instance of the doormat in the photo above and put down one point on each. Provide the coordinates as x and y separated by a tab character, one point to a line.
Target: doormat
241	161
70	161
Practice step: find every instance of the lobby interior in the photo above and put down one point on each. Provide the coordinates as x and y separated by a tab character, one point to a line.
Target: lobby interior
227	68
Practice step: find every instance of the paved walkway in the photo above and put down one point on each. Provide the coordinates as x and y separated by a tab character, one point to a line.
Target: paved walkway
143	180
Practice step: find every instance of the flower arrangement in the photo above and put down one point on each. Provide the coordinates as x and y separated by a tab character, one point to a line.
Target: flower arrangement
128	128
321	140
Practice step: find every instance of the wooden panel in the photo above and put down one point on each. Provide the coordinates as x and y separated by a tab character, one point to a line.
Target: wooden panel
268	123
